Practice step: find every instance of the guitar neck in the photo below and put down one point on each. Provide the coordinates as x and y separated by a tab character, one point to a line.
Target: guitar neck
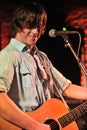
73	115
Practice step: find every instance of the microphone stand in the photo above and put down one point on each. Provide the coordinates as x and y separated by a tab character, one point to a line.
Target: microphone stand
68	44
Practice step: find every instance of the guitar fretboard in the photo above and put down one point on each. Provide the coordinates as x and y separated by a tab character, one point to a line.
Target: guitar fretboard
73	115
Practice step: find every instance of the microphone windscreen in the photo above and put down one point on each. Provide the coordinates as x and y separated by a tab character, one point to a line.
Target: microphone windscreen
52	33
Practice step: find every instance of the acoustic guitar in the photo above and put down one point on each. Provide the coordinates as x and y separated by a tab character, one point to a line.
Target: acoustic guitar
54	113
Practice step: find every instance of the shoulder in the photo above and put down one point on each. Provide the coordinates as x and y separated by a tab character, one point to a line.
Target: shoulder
9	55
43	54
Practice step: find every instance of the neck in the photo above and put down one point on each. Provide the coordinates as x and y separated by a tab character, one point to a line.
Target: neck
32	50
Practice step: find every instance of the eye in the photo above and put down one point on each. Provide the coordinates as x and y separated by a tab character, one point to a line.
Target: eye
29	33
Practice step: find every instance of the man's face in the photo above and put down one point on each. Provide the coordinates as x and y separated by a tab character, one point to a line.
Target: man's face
28	36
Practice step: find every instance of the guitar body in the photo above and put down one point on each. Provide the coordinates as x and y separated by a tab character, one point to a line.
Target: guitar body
51	110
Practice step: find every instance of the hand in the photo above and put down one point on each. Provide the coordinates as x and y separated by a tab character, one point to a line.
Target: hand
41	127
44	127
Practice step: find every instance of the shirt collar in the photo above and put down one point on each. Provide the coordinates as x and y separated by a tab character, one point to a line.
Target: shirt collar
21	46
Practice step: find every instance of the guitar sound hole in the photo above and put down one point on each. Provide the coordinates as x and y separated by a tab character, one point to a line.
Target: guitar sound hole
53	124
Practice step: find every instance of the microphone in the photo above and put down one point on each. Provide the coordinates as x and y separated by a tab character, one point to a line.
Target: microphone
54	33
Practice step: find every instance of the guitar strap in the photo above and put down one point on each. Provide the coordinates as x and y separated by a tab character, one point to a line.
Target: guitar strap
50	76
62	98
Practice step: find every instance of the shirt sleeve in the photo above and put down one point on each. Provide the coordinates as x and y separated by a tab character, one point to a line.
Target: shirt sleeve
60	81
6	70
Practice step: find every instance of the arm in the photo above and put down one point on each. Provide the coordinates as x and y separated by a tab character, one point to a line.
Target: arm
69	90
76	92
9	111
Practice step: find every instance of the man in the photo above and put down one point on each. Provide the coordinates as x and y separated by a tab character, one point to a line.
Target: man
27	76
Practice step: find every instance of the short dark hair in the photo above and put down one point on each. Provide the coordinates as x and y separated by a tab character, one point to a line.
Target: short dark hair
29	15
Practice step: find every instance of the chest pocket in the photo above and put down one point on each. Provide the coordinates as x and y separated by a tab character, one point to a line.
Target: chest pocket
27	77
26	72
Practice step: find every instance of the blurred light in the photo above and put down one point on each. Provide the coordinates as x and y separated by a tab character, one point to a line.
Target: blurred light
64	29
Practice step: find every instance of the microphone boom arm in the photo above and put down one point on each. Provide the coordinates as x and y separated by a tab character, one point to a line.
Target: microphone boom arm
68	44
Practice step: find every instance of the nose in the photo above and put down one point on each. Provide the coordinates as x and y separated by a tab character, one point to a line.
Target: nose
35	32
